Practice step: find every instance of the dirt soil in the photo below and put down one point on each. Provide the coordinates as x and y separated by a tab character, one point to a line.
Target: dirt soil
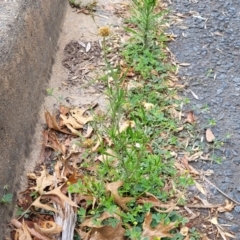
76	68
208	38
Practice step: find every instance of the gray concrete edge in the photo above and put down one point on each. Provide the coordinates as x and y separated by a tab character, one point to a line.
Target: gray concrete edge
28	42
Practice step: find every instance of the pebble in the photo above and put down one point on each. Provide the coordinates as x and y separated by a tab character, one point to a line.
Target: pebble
228	172
229	215
234	228
237	209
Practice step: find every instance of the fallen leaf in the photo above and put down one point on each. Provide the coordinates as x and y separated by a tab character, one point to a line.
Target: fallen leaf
52	142
224	234
228	207
89	132
195	156
184	231
126	124
200	188
52	123
73	130
62	197
38	204
129	72
160	231
184	161
120	201
98	231
78	113
108	232
23	228
72	121
91	223
42	181
38	235
209	135
64	110
48	228
24	234
190	118
148	106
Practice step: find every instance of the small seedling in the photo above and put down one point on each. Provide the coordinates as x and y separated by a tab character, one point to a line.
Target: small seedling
50	92
212	122
6	198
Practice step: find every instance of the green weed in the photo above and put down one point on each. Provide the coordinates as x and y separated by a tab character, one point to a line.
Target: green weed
142	140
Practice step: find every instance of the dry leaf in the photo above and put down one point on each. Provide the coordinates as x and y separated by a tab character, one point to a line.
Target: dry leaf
38	204
73	130
52	123
184	231
43	181
102	232
209	135
25	234
91	223
190	118
62	197
229	206
78	113
108	232
52	142
160	231
126	124
29	227
120	201
200	188
224	234
148	106
64	110
184	161
48	228
195	156
38	235
72	121
89	132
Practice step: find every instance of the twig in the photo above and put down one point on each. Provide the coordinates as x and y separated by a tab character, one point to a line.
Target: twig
236	202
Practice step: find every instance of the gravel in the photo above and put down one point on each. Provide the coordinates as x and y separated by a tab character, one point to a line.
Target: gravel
211	43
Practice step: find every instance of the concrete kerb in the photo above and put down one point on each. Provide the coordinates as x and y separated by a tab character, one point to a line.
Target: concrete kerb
29	31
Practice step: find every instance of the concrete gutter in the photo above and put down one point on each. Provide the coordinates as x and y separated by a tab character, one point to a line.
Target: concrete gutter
29	31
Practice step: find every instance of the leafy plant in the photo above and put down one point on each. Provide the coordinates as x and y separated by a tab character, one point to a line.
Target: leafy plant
6	198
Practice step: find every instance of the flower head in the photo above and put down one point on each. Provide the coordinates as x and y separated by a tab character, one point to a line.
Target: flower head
104	31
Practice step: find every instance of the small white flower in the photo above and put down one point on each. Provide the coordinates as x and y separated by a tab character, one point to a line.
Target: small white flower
137	145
